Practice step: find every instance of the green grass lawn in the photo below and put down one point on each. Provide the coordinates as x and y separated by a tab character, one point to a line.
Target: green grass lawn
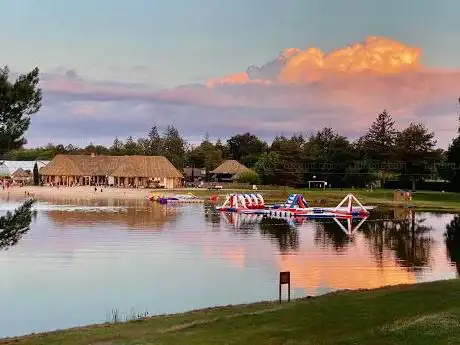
379	197
419	314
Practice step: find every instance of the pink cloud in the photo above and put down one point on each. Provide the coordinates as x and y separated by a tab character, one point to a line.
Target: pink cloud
84	109
298	91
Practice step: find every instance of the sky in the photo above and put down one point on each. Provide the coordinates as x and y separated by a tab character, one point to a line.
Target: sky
112	68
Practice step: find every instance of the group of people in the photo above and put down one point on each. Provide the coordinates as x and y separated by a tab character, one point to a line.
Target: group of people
5	184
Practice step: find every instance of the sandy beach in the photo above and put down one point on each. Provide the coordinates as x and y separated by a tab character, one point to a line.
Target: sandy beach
84	192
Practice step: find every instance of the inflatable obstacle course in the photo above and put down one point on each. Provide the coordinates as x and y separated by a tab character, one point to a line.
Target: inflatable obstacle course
296	201
295	206
245	203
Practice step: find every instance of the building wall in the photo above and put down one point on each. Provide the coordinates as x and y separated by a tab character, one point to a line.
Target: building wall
168	183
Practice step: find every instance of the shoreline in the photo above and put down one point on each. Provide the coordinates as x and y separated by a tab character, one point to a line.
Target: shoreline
299	319
422	200
85	192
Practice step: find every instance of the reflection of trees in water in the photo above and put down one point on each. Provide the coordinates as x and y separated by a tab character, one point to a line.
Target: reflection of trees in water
452	240
329	234
407	236
280	230
15	224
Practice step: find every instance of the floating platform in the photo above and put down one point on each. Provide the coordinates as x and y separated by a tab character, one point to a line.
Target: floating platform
179	198
295	206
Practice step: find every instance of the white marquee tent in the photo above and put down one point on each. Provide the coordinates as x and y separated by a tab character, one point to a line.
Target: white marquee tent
11	166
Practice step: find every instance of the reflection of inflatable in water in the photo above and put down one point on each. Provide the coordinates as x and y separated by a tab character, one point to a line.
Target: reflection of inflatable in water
238	219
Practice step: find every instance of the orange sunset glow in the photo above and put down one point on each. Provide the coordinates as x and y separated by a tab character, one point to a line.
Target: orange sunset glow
375	55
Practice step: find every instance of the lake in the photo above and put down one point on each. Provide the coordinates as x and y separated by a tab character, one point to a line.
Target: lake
83	260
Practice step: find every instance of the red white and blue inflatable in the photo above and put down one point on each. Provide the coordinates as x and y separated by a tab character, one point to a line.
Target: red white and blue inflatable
243	203
295	206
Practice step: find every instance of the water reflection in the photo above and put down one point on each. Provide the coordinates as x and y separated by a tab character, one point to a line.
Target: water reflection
330	234
208	257
244	224
452	240
153	216
280	230
405	234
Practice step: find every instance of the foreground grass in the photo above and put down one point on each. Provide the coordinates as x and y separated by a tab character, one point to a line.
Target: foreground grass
414	314
379	197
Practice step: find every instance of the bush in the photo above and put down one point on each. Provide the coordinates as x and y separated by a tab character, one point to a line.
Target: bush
250	177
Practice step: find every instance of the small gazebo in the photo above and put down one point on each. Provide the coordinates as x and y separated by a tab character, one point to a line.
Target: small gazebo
229	171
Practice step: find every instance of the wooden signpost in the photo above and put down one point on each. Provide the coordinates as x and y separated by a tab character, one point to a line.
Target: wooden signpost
285	278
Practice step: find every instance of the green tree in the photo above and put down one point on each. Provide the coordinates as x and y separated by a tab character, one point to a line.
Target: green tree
288	153
416	150
250	177
223	148
70	149
206	155
267	167
174	147
143	146
155	145
379	142
36	175
246	148
451	169
15	224
130	147
18	101
327	155
117	147
378	145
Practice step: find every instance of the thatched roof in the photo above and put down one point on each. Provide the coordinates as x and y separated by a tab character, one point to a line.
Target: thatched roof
146	166
231	167
117	166
20	173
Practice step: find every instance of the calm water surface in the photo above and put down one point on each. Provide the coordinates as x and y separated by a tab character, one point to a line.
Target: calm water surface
83	259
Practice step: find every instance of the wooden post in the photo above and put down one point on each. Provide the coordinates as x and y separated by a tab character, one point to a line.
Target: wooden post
285	278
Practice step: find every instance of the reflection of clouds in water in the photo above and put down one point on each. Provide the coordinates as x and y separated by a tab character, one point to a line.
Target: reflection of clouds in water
320	255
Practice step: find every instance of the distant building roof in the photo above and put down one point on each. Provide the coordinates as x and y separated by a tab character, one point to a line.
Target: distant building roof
117	166
231	167
21	174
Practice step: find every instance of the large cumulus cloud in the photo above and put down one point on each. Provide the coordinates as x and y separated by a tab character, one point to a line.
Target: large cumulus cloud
298	91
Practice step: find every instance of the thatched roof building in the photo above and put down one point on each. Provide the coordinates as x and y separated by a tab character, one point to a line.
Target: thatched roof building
229	170
136	171
21	175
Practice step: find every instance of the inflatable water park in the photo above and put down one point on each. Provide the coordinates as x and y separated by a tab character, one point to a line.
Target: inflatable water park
295	206
243	203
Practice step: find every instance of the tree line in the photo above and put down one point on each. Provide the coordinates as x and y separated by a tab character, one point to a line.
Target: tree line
383	153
